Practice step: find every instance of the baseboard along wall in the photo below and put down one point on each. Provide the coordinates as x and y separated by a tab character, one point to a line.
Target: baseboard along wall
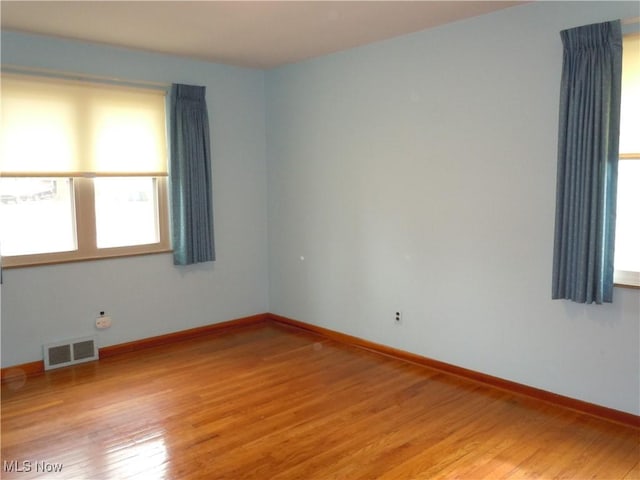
10	374
25	370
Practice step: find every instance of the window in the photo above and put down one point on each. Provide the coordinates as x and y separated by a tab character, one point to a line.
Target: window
627	250
83	171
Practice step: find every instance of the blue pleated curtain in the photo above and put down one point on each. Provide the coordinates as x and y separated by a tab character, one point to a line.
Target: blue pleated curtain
589	129
190	177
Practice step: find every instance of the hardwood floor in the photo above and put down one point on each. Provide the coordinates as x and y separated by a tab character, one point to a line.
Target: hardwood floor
269	402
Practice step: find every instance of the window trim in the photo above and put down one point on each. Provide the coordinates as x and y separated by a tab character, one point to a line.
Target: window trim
624	278
85	222
84	201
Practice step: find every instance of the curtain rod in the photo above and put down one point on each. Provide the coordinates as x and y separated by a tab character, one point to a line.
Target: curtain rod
46	72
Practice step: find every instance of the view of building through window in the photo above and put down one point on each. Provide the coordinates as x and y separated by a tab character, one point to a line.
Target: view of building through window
126	211
37	215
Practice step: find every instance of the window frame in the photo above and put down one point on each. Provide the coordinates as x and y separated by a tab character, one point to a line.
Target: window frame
625	278
83	200
85	224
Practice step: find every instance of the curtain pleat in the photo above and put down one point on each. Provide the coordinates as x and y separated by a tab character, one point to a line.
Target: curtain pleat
190	177
589	129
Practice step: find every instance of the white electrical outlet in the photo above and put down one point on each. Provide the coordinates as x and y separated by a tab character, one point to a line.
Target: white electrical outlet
397	317
103	321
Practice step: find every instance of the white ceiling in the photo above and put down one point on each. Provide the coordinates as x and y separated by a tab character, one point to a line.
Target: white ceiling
260	34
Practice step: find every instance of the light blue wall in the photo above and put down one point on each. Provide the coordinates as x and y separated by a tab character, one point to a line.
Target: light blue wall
148	296
419	174
414	174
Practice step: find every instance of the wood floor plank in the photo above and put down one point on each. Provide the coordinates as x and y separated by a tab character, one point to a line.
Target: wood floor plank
266	402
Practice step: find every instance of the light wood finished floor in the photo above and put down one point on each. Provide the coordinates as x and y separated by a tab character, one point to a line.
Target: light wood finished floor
268	402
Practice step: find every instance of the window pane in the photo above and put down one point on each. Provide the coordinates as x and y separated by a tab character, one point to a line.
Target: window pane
36	216
627	253
126	211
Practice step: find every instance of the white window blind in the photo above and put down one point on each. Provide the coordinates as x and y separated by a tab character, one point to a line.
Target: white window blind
630	104
66	128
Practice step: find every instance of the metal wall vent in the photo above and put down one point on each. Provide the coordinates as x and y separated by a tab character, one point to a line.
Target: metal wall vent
70	352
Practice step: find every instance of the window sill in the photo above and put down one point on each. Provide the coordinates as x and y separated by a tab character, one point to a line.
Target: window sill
57	259
626	279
